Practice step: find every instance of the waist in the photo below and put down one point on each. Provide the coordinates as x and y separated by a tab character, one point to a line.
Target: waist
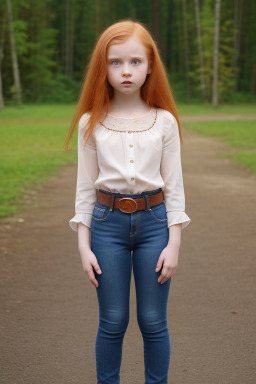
128	203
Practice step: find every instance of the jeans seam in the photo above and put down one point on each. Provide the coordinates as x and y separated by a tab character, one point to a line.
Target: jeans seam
104	218
160	220
131	235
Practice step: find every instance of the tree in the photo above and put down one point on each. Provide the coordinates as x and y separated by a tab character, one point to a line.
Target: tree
216	54
200	50
155	20
97	17
186	55
2	36
69	46
237	37
15	65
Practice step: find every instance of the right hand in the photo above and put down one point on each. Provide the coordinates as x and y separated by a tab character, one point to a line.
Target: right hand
89	262
88	258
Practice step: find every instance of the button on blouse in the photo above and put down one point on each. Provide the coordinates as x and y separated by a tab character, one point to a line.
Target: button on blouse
130	155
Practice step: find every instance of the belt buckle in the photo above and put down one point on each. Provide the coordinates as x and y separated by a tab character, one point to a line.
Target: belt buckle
128	198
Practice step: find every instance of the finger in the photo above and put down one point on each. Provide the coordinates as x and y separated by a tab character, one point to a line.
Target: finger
163	274
173	270
96	267
170	274
159	264
167	277
92	278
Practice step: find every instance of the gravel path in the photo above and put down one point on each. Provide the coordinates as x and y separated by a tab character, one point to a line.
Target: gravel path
49	310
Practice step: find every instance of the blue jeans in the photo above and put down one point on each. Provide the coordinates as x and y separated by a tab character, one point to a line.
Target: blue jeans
114	234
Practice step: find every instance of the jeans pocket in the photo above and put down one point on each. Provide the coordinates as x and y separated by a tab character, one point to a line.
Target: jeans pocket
100	212
159	212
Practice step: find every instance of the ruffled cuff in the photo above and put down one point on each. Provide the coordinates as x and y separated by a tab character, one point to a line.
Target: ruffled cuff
84	218
178	217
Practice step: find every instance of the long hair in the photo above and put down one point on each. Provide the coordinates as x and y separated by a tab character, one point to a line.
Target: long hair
96	92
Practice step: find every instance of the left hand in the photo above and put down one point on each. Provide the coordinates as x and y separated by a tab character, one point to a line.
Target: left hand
169	259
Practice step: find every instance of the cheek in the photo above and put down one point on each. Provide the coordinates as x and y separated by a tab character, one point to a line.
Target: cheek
142	74
143	70
111	75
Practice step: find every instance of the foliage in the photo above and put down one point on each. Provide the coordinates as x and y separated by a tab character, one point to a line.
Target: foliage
54	41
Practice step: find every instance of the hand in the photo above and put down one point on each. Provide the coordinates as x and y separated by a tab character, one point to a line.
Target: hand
169	259
89	262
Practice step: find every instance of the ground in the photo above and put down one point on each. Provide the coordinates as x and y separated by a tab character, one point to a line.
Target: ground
49	309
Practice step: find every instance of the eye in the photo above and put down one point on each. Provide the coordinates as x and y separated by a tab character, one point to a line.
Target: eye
136	61
115	62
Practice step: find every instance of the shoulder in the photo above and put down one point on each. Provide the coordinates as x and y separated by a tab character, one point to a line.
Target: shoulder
83	120
166	115
168	120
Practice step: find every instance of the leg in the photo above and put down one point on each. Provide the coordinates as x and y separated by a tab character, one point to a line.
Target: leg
113	295
152	299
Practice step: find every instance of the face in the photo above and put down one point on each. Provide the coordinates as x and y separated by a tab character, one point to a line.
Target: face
127	66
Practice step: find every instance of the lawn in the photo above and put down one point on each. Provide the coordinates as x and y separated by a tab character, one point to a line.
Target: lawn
32	150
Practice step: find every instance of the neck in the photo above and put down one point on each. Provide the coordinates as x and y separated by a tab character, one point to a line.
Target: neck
130	104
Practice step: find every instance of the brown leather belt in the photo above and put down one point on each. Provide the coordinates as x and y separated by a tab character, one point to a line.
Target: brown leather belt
128	204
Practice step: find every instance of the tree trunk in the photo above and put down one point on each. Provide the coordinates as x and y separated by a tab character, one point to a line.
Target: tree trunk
216	53
97	18
186	56
69	39
156	20
237	38
15	65
1	88
1	59
200	50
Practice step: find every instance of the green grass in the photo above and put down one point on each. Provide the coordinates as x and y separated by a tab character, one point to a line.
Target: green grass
32	150
204	109
32	139
240	135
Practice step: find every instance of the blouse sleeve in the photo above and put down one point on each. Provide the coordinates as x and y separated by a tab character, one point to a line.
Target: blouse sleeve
87	173
171	172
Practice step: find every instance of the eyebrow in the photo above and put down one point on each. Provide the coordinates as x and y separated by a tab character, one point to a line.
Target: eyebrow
118	58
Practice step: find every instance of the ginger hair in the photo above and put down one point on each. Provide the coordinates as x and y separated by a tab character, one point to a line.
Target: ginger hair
96	92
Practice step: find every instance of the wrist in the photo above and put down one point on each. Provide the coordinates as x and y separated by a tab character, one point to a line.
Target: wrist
83	237
174	236
83	248
173	244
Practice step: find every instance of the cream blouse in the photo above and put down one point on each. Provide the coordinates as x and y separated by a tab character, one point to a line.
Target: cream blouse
130	155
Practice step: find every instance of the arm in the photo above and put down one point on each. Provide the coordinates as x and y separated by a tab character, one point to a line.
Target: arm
87	173
84	237
171	171
88	258
86	196
175	235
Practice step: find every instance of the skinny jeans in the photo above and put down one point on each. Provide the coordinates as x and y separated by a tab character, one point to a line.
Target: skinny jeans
123	242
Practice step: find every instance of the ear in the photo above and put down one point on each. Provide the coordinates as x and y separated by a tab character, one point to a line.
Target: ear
149	70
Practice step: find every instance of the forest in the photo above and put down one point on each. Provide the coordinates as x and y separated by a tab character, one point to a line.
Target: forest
208	46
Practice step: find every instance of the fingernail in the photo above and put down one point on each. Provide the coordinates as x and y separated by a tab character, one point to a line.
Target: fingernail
99	271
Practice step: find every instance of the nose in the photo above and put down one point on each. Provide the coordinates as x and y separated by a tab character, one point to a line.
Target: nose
126	71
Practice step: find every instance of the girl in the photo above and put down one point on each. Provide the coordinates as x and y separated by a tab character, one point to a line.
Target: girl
130	202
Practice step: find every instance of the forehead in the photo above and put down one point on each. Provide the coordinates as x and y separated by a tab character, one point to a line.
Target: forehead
130	47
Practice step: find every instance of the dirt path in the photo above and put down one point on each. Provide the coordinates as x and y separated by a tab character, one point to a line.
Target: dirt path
49	309
217	117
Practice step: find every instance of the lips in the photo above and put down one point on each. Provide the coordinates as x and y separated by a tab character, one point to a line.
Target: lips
126	82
